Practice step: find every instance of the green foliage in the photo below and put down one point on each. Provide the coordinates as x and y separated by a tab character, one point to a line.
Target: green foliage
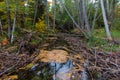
61	15
95	42
41	26
35	41
100	33
116	24
102	44
116	33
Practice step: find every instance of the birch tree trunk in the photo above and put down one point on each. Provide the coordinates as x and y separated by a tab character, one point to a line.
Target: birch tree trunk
9	19
54	14
95	16
1	28
78	12
73	6
14	23
36	10
47	14
73	19
86	18
112	8
82	19
105	21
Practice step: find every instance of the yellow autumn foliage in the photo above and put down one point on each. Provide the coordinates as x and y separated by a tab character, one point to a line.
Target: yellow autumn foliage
41	26
58	56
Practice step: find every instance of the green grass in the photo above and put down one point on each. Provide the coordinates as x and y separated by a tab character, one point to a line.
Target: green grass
98	42
102	44
116	34
100	33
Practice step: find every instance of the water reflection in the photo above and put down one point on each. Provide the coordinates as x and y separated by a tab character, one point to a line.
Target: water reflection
61	71
50	71
84	75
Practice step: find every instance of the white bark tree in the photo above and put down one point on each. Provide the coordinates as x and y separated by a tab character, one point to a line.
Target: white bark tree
54	14
47	14
1	28
86	18
36	10
9	18
105	21
14	22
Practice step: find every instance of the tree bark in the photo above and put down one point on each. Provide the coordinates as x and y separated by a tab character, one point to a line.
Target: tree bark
86	18
54	15
35	14
105	21
9	19
14	23
1	28
47	14
73	20
94	20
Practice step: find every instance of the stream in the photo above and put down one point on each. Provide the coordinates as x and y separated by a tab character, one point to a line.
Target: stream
51	71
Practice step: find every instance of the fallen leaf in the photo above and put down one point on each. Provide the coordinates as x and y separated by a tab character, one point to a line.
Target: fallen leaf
12	77
4	42
58	56
27	67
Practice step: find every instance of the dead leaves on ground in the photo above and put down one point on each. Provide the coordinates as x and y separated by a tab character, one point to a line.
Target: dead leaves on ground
12	77
78	62
58	56
4	42
61	56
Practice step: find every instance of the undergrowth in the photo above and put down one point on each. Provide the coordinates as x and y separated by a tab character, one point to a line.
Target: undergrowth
102	44
100	33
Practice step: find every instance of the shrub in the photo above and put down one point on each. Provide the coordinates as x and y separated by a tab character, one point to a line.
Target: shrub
41	26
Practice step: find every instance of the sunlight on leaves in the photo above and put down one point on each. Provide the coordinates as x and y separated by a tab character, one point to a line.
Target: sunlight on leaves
12	77
59	56
27	67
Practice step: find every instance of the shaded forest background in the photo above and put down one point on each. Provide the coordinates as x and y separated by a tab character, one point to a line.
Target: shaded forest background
84	16
89	30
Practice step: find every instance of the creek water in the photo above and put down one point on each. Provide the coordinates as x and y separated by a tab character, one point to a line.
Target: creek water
51	71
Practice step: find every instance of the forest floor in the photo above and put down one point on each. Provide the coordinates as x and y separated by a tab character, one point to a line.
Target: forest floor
95	61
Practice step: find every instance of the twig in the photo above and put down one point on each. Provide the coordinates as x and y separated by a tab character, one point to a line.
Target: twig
7	70
21	44
1	27
95	58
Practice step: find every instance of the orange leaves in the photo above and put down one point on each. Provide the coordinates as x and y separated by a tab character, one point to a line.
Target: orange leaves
58	56
4	42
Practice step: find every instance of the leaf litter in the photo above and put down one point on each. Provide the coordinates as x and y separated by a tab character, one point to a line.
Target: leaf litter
96	63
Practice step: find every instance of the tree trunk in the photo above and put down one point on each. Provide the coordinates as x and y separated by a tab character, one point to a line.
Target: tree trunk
47	14
9	19
35	14
54	15
78	12
112	8
74	20
86	18
1	28
95	16
105	21
14	23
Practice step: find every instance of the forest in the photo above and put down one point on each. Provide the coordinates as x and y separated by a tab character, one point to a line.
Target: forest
59	39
